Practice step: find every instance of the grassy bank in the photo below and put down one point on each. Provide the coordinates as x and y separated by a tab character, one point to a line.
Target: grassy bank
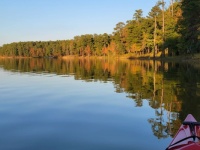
182	58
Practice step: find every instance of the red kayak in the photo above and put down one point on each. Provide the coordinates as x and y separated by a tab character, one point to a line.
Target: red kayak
188	136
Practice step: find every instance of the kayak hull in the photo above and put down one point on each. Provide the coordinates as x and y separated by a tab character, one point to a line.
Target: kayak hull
189	146
188	135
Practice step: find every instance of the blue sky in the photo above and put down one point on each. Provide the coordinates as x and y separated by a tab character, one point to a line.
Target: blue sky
43	20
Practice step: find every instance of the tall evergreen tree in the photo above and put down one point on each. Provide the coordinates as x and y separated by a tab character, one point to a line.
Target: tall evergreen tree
191	25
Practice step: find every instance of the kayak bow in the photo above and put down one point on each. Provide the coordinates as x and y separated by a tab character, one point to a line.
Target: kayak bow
188	136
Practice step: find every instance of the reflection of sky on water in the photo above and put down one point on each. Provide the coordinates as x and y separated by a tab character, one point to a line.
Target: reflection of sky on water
55	112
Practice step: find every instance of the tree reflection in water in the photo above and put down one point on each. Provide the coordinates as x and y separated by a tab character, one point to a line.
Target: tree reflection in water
171	88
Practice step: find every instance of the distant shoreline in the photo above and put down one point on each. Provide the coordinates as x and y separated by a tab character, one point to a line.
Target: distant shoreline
185	58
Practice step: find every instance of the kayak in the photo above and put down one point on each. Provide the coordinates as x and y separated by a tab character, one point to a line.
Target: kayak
188	136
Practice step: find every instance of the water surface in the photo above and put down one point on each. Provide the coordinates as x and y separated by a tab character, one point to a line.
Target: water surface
52	104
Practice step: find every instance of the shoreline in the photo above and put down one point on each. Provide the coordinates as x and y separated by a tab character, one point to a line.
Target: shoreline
183	58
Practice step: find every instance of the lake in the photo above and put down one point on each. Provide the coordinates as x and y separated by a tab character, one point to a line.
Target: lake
87	104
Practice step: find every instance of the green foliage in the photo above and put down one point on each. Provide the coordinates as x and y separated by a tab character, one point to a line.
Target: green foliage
190	25
176	28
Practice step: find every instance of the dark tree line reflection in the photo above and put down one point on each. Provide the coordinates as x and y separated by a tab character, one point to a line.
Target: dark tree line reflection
172	89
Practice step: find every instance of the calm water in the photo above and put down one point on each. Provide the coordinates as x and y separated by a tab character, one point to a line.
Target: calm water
49	104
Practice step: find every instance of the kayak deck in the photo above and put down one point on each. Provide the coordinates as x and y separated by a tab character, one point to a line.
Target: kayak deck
188	136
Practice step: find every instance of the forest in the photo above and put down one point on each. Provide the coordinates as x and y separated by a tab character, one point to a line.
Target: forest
166	31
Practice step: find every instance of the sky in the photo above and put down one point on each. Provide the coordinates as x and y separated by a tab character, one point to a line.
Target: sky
45	20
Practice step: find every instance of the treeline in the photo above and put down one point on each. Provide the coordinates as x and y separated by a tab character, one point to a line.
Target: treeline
170	30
